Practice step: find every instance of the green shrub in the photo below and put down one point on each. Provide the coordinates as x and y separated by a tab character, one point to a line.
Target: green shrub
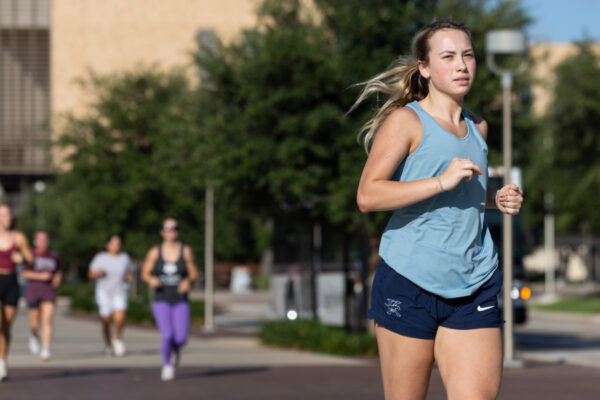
82	296
310	335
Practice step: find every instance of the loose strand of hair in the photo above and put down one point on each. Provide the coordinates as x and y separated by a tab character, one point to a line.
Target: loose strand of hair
402	81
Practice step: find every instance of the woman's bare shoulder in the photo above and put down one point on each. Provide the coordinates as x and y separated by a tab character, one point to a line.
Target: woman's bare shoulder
402	124
404	116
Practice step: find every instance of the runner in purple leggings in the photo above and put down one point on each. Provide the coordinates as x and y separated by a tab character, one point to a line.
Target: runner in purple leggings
170	269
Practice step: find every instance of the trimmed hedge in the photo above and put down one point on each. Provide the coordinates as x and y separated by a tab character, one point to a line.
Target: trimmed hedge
310	335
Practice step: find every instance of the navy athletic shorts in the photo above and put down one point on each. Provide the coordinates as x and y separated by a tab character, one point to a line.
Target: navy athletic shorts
400	306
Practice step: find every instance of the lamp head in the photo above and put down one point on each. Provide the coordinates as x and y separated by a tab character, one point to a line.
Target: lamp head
505	42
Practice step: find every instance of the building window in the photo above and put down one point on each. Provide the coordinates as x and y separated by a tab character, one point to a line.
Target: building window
24	87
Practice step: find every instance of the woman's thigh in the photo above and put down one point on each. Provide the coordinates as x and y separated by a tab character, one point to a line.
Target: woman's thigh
162	316
470	362
181	321
7	317
406	364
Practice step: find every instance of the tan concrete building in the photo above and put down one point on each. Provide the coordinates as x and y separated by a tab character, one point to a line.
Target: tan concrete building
547	57
46	46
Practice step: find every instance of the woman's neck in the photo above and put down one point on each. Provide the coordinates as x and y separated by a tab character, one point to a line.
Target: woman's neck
444	107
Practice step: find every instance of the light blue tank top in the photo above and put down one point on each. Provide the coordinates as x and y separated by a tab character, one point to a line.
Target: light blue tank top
442	244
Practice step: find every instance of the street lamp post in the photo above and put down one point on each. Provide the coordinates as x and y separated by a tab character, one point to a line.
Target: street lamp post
506	42
209	262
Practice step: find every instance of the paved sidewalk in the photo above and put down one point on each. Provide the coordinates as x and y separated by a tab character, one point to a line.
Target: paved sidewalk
235	366
78	343
560	338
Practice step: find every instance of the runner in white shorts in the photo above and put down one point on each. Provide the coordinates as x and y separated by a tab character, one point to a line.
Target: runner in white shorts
112	271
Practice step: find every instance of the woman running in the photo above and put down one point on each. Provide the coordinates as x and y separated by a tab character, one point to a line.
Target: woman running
170	269
42	280
14	250
112	271
435	291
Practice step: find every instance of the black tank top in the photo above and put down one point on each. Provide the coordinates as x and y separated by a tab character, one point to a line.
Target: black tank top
170	275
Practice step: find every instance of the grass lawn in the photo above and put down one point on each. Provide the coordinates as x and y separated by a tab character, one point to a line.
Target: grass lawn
579	304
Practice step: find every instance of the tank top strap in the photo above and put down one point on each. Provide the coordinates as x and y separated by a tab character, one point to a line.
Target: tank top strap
427	120
473	130
181	251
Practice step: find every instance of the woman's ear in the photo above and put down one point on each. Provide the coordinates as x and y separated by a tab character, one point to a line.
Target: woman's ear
423	69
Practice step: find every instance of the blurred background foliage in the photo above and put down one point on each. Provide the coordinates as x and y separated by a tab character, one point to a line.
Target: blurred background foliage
267	126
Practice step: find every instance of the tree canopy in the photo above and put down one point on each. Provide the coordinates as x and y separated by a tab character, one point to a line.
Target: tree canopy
567	146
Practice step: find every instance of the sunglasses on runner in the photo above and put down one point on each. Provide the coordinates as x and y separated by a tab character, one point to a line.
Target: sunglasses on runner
169	228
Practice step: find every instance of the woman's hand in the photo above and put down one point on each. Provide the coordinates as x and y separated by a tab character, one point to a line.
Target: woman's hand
459	169
184	286
17	257
509	199
154	282
44	276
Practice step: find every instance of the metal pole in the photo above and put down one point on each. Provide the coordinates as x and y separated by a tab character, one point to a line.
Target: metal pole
549	250
209	325
507	230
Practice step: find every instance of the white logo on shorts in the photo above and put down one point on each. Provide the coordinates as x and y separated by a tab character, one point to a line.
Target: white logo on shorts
393	307
479	308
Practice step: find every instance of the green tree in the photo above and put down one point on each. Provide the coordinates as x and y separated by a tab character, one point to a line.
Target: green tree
279	95
275	117
137	156
567	164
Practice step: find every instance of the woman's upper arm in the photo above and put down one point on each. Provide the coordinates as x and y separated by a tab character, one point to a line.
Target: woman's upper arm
190	262
149	261
396	138
23	245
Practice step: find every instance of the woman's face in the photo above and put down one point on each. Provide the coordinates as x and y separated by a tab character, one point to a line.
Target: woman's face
169	230
41	241
114	245
5	217
451	67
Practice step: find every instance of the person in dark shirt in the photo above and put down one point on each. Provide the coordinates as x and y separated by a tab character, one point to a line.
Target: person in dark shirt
170	269
43	277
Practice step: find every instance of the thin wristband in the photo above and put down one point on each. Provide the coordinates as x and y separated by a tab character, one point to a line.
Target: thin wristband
440	183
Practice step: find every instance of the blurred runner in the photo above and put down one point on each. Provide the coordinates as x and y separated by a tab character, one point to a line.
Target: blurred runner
14	250
112	271
42	280
170	269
